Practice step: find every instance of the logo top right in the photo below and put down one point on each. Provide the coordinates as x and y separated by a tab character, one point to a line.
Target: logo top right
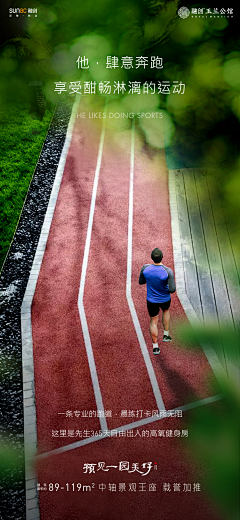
183	12
205	12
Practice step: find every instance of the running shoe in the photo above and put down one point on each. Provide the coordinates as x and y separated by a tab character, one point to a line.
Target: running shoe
167	338
156	350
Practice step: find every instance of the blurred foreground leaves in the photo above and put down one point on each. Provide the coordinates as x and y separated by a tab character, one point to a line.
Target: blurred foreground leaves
215	428
202	52
11	441
227	338
214	445
11	463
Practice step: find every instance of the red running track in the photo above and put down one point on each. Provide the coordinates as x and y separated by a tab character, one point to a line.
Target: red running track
62	376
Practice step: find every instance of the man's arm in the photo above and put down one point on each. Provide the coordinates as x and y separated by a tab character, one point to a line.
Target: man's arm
142	279
171	280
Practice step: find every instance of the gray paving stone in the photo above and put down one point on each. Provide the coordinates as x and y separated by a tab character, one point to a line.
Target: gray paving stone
30	410
31	438
25	310
30	453
26	362
31	493
30	473
29	403
27	375
27	394
27	354
31	483
30	428
32	503
30	419
28	386
33	514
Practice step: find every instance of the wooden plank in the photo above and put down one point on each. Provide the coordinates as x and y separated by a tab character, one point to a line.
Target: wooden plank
224	310
220	215
203	270
228	261
210	313
213	253
189	265
235	248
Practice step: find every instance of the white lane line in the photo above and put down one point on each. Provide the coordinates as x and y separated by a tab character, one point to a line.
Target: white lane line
126	427
136	323
201	402
86	335
29	408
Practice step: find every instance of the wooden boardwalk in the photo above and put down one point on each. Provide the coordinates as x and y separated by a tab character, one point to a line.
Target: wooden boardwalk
211	275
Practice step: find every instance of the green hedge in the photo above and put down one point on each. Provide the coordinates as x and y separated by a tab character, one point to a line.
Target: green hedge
21	141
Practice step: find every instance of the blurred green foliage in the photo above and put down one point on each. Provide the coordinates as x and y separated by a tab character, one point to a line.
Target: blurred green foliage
11	443
201	52
21	140
215	428
213	444
11	463
226	338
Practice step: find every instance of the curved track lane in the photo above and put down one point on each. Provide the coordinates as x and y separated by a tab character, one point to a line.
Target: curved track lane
128	380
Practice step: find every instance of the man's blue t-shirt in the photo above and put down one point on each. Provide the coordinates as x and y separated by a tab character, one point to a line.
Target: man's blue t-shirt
160	282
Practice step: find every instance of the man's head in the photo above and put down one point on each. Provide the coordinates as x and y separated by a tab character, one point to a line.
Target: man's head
156	255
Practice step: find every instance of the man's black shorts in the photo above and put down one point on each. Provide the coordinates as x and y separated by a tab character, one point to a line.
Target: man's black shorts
153	308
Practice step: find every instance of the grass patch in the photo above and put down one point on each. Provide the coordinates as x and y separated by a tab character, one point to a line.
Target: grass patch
21	141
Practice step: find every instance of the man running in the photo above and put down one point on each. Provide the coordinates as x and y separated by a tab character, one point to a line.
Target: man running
160	283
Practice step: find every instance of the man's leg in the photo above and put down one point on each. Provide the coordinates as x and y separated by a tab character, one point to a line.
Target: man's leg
154	334
153	309
166	320
166	325
154	328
